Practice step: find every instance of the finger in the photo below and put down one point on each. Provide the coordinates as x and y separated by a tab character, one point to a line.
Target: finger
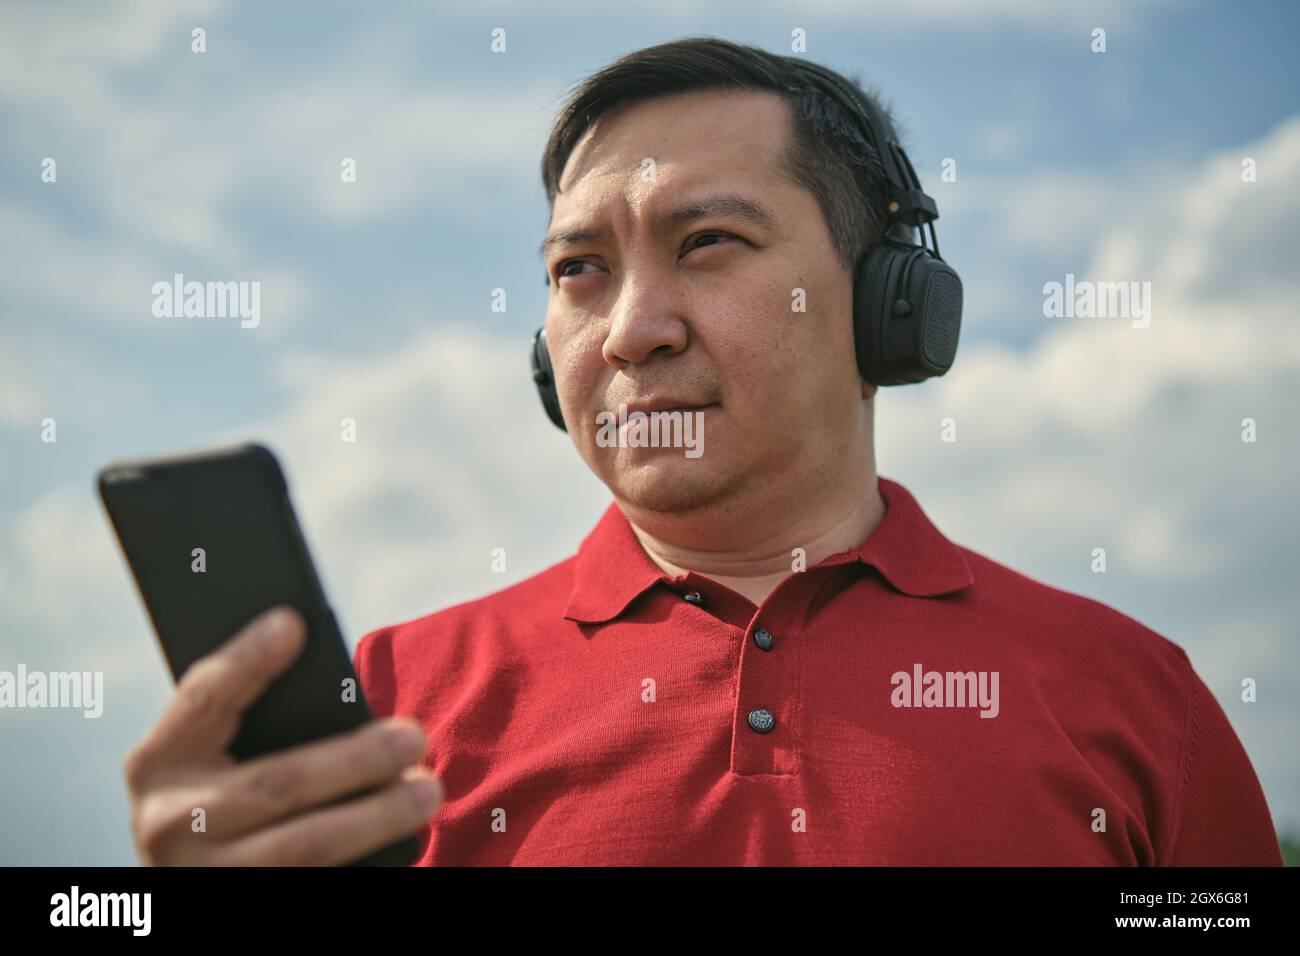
204	713
342	833
258	792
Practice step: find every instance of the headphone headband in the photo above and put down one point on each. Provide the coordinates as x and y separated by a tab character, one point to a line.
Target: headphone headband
909	204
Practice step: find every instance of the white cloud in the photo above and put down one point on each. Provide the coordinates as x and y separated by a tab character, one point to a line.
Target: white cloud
20	391
1000	140
112	282
66	592
452	449
411	146
1105	435
57	55
1091	397
165	167
1057	17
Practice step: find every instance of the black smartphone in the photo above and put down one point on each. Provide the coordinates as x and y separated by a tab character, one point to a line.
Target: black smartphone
212	541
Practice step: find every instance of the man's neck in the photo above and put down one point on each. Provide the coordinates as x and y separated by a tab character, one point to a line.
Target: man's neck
754	555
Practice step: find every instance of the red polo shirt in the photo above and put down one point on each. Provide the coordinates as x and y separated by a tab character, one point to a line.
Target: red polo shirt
907	702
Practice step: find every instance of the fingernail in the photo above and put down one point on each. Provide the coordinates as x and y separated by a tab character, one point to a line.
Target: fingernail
429	792
275	628
412	740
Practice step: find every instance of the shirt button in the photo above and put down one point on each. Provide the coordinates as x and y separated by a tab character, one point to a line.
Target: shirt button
695	597
761	719
763	638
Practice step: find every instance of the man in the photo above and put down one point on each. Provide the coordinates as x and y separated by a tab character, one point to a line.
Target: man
764	654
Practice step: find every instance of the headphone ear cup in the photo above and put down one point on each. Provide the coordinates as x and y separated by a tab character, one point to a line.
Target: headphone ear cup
906	314
934	289
870	284
544	378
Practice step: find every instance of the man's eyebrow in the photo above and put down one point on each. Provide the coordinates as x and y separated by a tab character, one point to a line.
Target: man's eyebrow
730	205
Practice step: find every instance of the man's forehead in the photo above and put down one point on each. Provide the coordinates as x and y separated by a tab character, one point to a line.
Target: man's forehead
689	140
648	188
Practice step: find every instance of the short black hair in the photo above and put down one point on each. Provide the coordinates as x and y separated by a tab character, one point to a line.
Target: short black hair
826	153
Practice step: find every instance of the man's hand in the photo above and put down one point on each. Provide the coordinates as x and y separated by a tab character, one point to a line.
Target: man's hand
268	811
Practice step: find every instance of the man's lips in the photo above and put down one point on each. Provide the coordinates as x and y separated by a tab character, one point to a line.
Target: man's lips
666	405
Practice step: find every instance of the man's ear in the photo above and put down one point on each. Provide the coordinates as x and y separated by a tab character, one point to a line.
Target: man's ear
868	390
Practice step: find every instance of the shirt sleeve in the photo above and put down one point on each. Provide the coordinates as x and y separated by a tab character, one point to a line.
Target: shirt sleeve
1223	818
368	660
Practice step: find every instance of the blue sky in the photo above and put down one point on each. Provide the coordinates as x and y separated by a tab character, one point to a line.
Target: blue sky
1075	433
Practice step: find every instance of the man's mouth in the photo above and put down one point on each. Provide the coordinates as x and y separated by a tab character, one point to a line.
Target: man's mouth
652	406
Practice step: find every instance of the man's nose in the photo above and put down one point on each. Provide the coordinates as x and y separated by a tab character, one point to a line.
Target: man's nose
648	317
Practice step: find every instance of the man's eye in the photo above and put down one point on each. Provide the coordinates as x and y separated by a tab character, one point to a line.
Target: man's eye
571	262
694	243
709	235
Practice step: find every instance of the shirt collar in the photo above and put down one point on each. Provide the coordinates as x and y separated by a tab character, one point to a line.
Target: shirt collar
611	568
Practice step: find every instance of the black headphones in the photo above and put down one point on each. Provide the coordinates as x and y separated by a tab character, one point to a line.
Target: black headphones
906	299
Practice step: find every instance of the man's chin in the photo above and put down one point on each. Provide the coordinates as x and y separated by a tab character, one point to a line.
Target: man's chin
666	487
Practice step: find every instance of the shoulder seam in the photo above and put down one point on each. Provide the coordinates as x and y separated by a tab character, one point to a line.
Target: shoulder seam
1191	724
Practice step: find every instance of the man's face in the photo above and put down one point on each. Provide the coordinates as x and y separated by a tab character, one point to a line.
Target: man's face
701	309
